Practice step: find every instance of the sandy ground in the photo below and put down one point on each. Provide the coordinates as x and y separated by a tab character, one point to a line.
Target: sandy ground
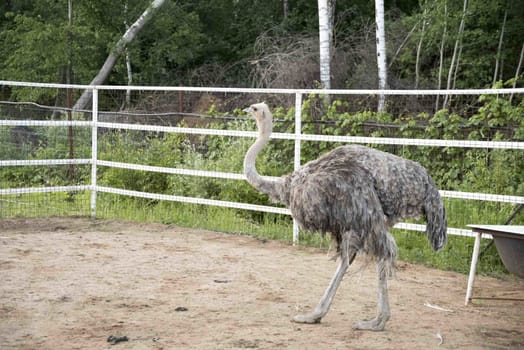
73	283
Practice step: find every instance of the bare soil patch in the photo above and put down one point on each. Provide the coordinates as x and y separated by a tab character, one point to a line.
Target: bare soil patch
71	283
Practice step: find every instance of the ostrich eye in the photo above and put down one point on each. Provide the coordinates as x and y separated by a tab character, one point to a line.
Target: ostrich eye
255	109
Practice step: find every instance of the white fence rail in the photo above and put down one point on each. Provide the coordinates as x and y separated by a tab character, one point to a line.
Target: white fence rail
298	136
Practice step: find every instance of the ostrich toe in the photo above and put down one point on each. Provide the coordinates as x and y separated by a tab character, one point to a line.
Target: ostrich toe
309	318
376	324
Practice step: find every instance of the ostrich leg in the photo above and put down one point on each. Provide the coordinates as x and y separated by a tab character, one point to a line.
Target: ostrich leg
383	313
325	302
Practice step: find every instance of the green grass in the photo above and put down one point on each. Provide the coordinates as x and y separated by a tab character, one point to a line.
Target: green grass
45	205
413	246
455	256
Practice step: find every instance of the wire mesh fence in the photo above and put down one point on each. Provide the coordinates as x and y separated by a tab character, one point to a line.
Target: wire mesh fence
175	154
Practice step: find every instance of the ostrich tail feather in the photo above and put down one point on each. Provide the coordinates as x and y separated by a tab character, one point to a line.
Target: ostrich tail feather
436	227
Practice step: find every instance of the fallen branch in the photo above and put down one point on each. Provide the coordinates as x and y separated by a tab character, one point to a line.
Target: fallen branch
119	48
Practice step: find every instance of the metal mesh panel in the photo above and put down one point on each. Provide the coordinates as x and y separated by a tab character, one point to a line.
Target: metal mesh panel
160	152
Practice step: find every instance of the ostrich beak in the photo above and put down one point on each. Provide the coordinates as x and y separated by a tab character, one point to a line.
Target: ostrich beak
248	110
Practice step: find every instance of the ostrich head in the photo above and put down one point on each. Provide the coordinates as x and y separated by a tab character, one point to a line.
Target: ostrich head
263	117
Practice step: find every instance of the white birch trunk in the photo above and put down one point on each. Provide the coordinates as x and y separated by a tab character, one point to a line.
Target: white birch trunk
419	45
129	77
441	63
456	53
128	37
381	52
517	72
499	49
457	65
128	62
324	41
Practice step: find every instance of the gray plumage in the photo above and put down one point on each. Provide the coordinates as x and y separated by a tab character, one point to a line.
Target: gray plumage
355	194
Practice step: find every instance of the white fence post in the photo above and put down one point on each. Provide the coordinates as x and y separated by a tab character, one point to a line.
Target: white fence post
94	151
298	132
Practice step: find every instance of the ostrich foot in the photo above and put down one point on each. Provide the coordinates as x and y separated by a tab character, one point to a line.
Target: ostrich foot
309	318
376	324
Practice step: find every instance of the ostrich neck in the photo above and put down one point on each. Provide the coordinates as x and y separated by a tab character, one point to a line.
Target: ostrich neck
266	186
250	170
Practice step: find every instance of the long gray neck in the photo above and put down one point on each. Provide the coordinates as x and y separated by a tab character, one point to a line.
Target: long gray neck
250	170
273	188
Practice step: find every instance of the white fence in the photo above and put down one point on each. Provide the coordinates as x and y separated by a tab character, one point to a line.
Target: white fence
297	136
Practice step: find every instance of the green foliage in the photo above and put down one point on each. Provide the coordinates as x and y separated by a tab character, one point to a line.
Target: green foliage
140	148
32	61
478	45
191	42
44	143
172	43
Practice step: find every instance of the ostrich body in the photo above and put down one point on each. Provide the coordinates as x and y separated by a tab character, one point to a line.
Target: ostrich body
356	194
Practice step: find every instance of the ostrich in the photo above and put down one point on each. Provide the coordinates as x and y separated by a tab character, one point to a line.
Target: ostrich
356	194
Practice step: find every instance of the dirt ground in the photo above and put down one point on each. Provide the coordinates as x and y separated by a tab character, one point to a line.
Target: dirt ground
72	283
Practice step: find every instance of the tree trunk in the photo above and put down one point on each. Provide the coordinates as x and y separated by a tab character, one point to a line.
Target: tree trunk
381	52
128	37
419	46
499	49
401	46
442	45
456	70
324	43
128	62
69	74
456	53
517	72
129	78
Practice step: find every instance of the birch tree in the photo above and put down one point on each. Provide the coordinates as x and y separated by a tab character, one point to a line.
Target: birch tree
381	52
324	44
128	61
499	49
457	49
517	72
419	45
119	48
441	54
